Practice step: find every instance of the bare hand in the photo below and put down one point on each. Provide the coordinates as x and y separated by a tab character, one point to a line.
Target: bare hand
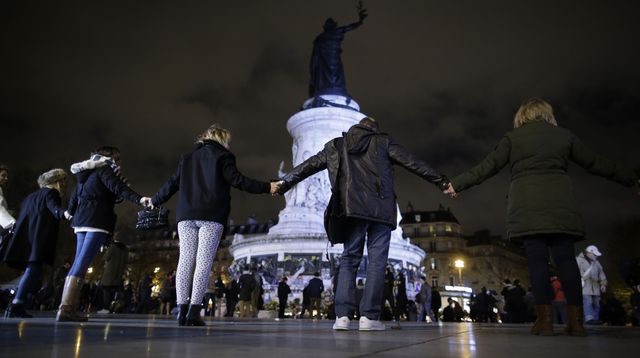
450	191
146	202
68	216
275	186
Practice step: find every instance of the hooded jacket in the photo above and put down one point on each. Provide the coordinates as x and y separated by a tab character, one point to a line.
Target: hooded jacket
360	166
97	190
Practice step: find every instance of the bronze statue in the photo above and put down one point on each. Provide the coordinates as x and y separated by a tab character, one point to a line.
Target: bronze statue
327	73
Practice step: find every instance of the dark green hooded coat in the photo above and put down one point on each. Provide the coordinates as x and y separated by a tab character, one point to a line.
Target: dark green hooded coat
541	197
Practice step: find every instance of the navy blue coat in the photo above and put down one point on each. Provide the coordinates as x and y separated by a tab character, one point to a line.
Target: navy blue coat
36	230
94	197
204	178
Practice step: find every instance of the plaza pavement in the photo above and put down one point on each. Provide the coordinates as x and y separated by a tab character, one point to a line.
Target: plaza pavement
119	336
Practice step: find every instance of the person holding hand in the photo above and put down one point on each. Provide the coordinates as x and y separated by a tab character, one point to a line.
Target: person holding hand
99	187
541	210
35	238
204	178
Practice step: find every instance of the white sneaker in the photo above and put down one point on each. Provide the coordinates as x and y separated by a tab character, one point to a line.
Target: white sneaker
371	325
103	311
342	324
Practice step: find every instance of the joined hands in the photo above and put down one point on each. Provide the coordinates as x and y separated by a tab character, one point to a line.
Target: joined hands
275	187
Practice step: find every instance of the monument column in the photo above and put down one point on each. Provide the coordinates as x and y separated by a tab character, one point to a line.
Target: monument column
310	129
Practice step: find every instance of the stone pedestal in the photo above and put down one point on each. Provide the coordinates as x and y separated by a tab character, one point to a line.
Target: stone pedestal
310	130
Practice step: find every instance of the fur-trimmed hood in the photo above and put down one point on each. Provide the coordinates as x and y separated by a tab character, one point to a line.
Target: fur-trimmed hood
96	161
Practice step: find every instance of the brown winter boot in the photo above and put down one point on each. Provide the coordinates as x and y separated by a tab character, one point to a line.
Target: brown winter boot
544	323
575	316
69	303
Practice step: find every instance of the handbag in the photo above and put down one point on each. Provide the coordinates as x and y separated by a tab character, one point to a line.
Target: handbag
335	221
149	219
335	224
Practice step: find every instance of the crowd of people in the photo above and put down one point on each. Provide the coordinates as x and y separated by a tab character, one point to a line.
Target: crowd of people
542	215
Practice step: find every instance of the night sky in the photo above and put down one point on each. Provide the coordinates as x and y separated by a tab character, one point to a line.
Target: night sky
443	77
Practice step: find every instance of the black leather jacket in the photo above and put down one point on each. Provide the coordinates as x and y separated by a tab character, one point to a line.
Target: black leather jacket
360	166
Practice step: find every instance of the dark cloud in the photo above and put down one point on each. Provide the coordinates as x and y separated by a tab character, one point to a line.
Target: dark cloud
444	78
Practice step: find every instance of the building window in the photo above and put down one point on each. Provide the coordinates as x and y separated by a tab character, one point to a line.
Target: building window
434	263
447	228
432	246
434	281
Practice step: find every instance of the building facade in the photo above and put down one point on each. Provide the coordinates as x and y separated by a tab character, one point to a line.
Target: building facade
456	260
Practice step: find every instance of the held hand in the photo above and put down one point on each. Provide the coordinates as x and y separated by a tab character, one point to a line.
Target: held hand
450	191
275	186
603	288
146	202
68	216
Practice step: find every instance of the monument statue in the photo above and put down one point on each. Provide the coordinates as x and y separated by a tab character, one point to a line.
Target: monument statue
327	73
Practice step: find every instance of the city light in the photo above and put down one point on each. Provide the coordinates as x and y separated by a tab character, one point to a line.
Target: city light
156	270
460	265
90	270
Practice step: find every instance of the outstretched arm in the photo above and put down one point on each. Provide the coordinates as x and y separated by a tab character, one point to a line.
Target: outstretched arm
169	188
53	203
490	166
239	181
601	166
117	185
399	155
307	168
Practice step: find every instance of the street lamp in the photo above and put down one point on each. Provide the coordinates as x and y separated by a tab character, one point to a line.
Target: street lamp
460	265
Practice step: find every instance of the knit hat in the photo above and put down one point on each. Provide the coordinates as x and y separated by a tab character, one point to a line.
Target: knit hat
51	177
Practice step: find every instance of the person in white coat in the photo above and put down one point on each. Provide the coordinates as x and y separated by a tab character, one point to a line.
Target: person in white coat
594	283
6	219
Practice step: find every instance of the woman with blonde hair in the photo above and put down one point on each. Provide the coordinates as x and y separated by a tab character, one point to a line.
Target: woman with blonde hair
204	178
541	211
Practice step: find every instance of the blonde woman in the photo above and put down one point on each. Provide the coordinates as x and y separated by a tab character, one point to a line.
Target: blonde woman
541	209
204	178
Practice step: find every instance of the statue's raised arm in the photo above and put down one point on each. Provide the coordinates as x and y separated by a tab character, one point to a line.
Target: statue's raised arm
326	70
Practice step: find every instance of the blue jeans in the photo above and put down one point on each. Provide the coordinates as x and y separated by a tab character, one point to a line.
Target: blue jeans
88	245
30	282
377	238
591	306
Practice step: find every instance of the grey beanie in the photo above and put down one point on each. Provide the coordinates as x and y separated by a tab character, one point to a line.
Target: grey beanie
51	177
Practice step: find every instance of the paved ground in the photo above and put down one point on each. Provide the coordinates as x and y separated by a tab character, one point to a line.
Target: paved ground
118	336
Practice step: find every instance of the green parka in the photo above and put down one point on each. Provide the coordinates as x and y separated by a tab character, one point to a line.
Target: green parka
541	197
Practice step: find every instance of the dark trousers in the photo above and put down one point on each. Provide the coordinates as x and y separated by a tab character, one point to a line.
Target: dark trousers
108	295
537	248
283	305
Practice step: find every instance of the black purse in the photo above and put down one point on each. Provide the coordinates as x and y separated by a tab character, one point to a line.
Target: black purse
149	219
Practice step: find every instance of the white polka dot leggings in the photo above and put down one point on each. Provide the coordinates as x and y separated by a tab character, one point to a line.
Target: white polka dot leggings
198	244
